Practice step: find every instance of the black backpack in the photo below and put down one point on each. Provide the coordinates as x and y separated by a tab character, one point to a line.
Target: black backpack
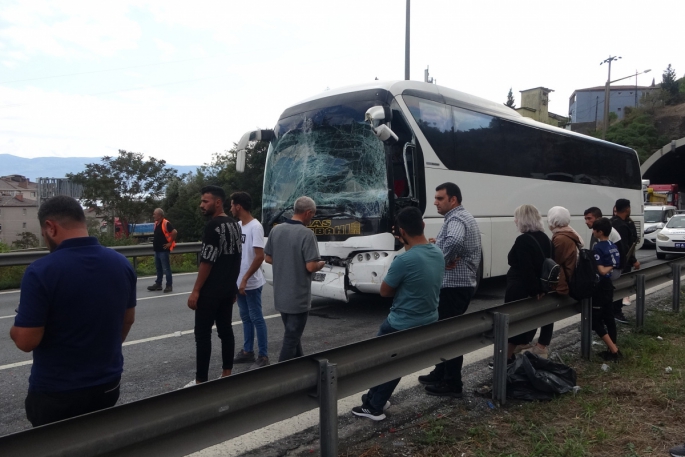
549	275
585	277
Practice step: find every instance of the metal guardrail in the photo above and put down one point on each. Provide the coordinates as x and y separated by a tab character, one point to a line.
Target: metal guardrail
140	250
187	420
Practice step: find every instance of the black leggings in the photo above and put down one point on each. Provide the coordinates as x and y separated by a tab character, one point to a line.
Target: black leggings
210	310
602	310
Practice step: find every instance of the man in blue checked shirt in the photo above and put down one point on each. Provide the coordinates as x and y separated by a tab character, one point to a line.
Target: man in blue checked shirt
459	241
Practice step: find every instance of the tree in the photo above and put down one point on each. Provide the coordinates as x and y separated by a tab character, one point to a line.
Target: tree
26	240
670	86
126	186
182	200
510	100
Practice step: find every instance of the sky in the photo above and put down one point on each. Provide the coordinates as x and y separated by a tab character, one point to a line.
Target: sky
181	81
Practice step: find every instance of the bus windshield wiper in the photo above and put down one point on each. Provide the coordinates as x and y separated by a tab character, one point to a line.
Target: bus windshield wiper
341	214
277	216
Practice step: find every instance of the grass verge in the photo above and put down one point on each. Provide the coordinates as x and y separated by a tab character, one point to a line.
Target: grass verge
634	409
10	277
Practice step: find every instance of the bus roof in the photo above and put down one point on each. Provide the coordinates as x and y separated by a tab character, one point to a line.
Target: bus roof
399	87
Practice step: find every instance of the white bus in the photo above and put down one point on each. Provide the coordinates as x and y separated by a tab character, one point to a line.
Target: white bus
328	147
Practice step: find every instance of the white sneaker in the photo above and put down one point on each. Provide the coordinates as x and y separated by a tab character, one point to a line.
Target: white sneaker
191	384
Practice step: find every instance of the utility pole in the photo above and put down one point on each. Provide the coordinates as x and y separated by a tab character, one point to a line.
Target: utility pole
406	47
607	90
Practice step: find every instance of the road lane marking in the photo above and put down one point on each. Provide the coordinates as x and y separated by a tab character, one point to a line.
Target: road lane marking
143	340
162	296
16	291
7	317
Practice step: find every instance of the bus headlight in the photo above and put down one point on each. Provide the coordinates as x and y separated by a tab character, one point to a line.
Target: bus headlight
360	257
661	237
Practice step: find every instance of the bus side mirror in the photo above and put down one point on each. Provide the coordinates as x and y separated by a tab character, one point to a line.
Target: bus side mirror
241	153
375	116
240	160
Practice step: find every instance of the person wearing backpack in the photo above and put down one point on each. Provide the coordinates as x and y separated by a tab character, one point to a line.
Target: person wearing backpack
526	259
566	243
608	258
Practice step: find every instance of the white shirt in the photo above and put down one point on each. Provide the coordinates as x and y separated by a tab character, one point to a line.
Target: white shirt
253	237
614	237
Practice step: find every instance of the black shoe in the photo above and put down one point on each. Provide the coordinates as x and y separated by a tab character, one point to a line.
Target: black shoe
244	357
365	396
261	361
430	379
364	411
167	289
444	390
678	451
155	286
620	318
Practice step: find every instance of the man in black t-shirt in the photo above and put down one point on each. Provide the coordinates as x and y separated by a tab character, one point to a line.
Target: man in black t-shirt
163	243
622	223
215	287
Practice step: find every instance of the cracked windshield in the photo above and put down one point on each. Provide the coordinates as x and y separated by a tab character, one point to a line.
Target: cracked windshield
332	156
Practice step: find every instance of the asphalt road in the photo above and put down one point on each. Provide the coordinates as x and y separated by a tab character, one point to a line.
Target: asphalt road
160	350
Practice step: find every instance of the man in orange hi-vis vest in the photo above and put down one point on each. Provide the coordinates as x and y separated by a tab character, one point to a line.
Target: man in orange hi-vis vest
163	243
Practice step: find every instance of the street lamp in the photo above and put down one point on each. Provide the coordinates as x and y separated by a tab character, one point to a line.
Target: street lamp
606	95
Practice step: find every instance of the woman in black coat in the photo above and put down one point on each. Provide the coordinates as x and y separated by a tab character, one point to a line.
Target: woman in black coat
525	264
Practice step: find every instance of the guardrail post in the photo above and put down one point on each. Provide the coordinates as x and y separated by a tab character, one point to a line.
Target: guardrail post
640	301
135	264
586	328
499	376
328	408
198	259
676	269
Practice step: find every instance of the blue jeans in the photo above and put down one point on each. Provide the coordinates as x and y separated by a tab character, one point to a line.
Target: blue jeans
250	306
162	265
377	396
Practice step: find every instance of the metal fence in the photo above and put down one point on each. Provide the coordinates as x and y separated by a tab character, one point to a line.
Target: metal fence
140	250
187	420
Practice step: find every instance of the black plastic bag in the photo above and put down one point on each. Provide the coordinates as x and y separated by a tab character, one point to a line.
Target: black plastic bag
533	378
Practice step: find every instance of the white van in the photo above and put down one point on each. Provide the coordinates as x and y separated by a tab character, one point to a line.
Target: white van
656	218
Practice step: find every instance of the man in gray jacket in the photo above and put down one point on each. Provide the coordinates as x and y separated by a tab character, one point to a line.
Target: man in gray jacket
294	255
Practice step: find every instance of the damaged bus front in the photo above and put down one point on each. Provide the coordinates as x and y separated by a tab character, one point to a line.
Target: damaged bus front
343	152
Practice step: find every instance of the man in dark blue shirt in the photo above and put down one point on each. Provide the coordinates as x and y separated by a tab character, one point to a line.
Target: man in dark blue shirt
77	305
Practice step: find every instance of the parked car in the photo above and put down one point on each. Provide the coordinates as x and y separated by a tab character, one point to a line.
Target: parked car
671	238
656	218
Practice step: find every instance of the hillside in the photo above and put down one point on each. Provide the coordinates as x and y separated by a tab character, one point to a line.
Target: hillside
56	167
670	121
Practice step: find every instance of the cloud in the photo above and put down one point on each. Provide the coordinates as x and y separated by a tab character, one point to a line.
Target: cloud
167	49
69	28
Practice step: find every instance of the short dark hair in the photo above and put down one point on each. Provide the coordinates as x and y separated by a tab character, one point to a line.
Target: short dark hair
622	204
602	225
594	211
63	209
451	189
410	220
243	199
216	191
